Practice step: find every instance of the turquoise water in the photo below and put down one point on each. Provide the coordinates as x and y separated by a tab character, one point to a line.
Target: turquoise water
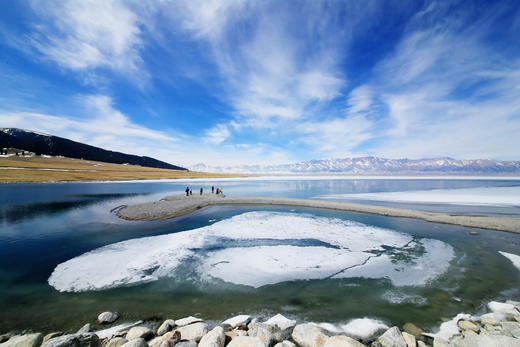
43	225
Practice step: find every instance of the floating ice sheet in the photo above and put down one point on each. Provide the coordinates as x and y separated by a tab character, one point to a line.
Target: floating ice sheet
497	196
260	248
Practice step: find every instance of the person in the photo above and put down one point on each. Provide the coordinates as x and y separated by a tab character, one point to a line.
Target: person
217	190
191	192
201	190
221	191
187	191
212	189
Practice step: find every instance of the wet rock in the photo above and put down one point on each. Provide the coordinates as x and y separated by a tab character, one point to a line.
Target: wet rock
409	339
412	329
74	340
246	341
238	320
107	317
139	332
139	342
166	326
489	341
52	335
467	325
187	321
281	322
342	341
285	344
215	338
392	338
193	332
116	342
308	335
27	340
84	329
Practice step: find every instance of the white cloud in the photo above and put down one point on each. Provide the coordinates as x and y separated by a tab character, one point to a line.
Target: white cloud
360	99
217	134
88	34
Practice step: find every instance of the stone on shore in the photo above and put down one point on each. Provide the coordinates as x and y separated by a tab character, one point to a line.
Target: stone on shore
107	317
285	343
342	341
139	332
166	326
74	340
392	338
237	321
281	322
186	344
193	332
84	329
467	325
215	338
27	340
409	339
246	341
187	321
116	342
52	335
265	333
412	329
489	341
171	338
139	342
308	335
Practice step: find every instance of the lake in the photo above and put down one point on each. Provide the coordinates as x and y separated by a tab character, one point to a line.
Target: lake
309	264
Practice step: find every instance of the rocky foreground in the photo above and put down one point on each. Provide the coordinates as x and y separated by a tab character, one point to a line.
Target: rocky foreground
500	327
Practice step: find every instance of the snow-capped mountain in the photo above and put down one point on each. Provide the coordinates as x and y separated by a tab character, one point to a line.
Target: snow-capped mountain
375	165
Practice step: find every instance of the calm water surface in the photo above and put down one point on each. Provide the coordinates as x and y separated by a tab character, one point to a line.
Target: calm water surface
42	225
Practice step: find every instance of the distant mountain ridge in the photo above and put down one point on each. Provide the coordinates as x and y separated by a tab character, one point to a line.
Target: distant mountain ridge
375	165
45	144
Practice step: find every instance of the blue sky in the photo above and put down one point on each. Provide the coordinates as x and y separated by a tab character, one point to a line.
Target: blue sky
227	82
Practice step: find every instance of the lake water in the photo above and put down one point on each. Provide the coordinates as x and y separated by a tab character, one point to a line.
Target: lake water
309	264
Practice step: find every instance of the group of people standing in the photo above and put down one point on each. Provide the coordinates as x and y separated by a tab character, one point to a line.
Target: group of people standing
214	190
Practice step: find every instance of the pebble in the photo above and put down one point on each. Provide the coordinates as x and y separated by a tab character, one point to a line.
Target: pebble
107	317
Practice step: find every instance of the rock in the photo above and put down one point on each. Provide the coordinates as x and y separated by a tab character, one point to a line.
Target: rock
139	332
285	343
27	340
245	341
139	342
509	327
84	329
308	335
215	338
409	339
489	341
171	338
517	318
473	233
52	335
342	341
281	322
489	320
421	344
234	333
74	340
440	342
467	325
116	330
392	338
238	320
116	342
193	332
5	337
412	329
107	317
166	326
186	344
467	333
187	321
264	332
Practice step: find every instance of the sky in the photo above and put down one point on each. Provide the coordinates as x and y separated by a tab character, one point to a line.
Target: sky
230	82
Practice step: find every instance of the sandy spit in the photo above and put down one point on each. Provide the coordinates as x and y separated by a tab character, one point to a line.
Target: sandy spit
179	205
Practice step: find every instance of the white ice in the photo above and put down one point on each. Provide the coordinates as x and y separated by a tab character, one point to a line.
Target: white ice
251	259
496	196
515	259
363	328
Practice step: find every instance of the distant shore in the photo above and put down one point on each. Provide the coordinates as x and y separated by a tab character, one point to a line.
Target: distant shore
179	205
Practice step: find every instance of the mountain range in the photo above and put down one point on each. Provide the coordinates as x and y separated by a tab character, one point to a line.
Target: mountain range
375	165
45	144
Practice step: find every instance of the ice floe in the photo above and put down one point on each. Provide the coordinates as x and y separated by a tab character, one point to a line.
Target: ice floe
515	259
499	196
260	248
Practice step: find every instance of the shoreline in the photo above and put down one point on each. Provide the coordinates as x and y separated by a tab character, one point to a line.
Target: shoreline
499	327
181	205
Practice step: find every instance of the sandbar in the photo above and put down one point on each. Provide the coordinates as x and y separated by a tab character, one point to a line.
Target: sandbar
179	205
